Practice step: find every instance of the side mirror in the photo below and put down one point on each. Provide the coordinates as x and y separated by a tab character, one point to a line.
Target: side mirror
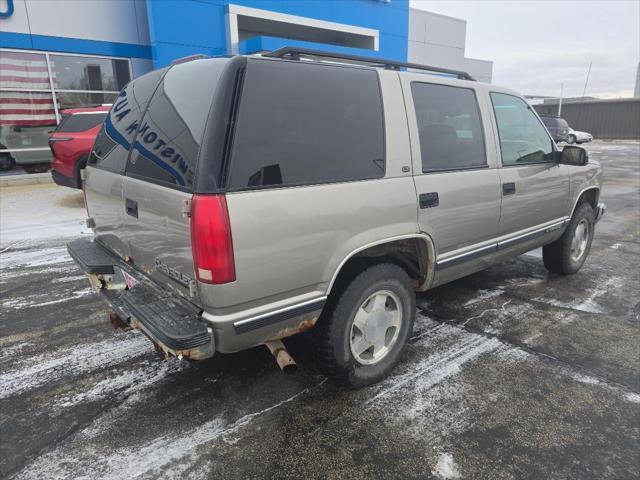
572	155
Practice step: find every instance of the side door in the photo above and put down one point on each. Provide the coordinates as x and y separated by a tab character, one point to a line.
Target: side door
455	173
535	187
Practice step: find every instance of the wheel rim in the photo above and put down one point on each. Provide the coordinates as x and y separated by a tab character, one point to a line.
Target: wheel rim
580	240
376	327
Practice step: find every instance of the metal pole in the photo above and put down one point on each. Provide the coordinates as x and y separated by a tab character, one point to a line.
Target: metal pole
584	91
560	102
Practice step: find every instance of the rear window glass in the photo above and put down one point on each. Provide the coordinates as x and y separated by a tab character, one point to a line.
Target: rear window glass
168	138
80	122
301	123
111	148
449	126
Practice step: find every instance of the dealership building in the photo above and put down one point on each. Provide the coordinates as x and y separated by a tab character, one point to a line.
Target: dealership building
60	54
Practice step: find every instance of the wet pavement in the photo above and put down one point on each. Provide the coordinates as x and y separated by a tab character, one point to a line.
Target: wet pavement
511	373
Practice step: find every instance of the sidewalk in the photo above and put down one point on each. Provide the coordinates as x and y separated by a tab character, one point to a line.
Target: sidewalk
25	179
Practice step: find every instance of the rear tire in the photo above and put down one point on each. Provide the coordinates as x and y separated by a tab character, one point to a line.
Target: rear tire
7	162
377	307
566	255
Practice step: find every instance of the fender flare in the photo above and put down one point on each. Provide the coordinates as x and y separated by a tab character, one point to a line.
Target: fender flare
430	260
590	187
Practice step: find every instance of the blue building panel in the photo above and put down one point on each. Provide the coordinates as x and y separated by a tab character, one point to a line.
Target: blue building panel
181	28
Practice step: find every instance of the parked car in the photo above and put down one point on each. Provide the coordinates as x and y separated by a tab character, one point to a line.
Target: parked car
239	201
558	127
576	136
71	143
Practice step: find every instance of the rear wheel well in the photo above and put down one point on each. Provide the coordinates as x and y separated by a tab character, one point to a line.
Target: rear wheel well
410	254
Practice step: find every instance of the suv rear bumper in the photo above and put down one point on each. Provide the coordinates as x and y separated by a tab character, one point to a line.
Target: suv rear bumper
63	180
172	323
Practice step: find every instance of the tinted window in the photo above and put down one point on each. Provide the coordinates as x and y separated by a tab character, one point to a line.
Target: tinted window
549	122
112	145
168	138
302	123
449	126
89	73
80	122
523	139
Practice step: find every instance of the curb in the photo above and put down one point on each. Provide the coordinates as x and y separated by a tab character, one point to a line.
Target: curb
25	179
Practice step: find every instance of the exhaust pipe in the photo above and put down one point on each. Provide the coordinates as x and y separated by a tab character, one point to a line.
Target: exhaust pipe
286	363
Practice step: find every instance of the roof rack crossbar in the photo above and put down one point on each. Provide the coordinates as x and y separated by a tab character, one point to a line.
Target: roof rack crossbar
294	53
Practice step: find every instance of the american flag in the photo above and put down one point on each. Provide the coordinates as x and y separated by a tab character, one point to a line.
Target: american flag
25	71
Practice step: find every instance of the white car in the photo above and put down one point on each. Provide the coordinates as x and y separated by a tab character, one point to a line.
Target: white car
576	136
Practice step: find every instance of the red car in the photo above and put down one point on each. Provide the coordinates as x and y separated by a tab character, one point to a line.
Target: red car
71	143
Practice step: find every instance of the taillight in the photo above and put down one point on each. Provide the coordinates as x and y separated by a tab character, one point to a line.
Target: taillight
211	239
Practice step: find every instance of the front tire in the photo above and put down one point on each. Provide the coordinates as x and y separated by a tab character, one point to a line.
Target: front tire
364	329
566	255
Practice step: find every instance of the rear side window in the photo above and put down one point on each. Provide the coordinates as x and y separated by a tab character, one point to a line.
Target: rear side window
168	138
549	122
301	124
523	139
80	122
111	148
449	125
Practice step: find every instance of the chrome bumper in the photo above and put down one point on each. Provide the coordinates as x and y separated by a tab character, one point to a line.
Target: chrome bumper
600	209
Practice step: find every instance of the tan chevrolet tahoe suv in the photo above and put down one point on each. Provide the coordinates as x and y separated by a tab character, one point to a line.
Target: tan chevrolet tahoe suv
239	201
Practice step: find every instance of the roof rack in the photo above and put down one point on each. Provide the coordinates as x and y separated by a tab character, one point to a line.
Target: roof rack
295	53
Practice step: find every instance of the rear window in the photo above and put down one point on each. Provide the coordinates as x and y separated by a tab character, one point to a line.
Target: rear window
302	123
111	148
548	122
80	122
168	137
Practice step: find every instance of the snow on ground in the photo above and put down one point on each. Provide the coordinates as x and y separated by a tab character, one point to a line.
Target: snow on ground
36	212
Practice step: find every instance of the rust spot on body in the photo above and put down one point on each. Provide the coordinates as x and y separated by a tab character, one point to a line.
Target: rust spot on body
303	326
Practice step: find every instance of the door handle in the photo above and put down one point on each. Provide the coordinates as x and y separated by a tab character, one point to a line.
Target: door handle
131	207
508	188
429	200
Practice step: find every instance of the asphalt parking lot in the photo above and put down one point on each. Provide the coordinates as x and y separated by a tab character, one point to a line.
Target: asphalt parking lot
511	373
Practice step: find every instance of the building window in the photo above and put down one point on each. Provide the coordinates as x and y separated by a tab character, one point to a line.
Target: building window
36	87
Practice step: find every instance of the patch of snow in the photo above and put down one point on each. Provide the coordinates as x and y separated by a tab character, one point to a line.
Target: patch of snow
589	380
126	383
537	253
439	366
484	295
35	257
589	305
484	312
6	352
50	367
446	469
67	279
27	302
146	459
37	212
615	246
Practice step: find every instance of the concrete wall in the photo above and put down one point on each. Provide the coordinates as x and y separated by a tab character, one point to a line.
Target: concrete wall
439	40
606	119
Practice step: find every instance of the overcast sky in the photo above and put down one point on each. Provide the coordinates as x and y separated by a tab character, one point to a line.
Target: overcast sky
537	45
